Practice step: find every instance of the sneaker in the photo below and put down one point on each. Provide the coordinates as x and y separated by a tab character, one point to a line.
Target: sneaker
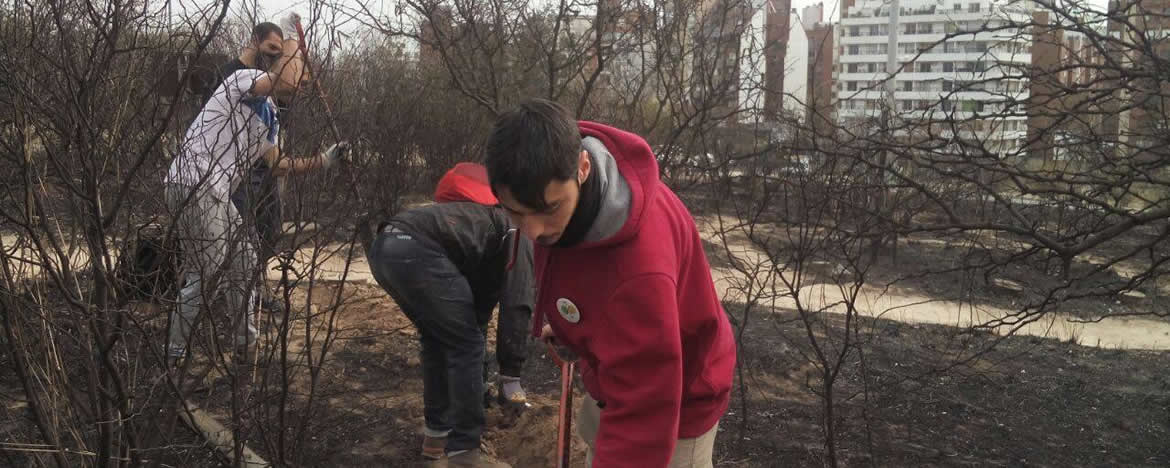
474	458
433	447
511	393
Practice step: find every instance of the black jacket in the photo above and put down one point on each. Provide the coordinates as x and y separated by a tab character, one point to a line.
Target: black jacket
479	240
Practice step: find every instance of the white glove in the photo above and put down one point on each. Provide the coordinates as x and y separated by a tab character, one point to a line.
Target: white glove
337	152
289	25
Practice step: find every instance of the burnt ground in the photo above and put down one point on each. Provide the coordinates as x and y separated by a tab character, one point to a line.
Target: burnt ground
1028	402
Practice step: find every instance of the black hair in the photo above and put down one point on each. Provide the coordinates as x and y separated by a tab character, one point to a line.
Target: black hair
530	146
261	31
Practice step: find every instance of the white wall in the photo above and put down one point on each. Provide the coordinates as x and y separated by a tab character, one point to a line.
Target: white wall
796	68
752	66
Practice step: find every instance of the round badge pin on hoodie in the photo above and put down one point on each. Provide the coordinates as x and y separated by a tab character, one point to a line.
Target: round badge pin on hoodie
568	310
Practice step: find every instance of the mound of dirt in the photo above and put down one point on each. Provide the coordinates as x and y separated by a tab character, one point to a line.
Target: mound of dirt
532	440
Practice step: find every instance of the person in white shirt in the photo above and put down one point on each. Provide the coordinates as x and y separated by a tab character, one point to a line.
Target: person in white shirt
236	128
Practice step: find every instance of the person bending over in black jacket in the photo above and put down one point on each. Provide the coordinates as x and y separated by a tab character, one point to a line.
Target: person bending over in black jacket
447	265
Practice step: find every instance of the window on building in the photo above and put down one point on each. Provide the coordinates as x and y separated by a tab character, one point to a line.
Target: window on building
853	68
958	7
854	31
973	8
851	86
948	67
873	30
909	28
925	28
948	85
907	86
924	67
854	50
945	105
871	67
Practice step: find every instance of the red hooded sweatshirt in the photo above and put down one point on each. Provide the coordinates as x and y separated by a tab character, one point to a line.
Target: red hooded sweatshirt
640	309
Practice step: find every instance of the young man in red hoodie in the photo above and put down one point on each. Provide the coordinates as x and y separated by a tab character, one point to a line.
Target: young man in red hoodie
623	283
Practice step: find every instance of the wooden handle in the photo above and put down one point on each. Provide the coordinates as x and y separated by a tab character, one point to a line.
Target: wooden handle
317	84
565	419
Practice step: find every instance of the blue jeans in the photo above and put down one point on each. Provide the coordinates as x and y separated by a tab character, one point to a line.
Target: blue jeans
438	300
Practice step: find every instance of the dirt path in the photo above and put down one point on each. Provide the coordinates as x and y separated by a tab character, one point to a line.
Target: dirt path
1113	333
873	301
1120	333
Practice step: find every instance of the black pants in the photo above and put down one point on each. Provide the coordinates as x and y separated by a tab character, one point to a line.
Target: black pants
258	200
437	298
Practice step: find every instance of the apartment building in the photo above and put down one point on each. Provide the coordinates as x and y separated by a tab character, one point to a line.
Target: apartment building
900	68
773	66
1140	107
1066	114
822	59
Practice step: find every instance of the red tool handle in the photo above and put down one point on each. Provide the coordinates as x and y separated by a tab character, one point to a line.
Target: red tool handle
565	412
565	419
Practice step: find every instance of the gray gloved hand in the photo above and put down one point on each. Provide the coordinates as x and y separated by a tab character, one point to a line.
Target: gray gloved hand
288	25
336	153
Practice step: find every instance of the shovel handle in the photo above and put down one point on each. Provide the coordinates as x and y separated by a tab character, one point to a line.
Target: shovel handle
317	84
565	418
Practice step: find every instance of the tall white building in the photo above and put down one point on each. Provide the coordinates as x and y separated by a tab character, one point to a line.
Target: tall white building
961	79
754	63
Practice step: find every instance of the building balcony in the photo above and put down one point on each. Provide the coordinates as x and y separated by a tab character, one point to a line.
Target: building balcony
862	58
986	57
861	76
879	39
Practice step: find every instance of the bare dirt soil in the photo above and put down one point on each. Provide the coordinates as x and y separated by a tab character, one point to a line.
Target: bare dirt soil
1030	402
919	395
